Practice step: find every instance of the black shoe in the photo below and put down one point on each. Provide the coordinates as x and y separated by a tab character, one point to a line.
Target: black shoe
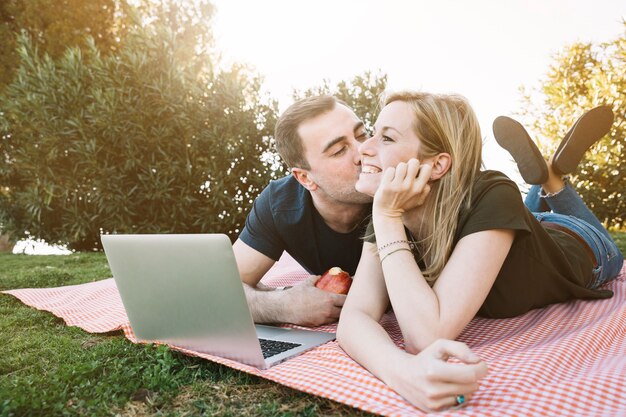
587	130
512	136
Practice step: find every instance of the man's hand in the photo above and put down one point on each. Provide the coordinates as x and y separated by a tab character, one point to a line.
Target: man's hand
303	304
309	306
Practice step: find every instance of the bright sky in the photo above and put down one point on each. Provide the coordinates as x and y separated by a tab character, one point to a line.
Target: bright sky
483	49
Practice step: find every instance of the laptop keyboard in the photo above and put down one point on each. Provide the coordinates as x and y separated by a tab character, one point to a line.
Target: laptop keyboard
274	347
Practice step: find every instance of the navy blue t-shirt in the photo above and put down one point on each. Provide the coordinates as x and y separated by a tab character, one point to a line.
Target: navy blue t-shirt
283	218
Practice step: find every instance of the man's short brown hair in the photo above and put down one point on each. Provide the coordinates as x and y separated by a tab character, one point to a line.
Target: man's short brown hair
288	142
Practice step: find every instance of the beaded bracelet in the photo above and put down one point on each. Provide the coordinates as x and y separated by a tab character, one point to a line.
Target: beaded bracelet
392	252
412	244
395	242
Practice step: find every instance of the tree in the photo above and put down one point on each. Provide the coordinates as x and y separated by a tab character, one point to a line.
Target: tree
54	25
582	76
153	138
362	93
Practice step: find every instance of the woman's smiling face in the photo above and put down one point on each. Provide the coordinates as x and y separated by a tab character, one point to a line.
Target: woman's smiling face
393	141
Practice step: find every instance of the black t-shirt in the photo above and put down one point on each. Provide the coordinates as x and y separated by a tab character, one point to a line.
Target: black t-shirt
543	266
283	218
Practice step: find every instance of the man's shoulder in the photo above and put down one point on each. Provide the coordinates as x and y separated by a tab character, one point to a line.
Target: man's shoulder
287	194
280	214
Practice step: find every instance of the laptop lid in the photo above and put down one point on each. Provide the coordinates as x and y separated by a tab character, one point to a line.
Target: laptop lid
185	290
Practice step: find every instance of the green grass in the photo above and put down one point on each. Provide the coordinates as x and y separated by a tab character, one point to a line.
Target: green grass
49	369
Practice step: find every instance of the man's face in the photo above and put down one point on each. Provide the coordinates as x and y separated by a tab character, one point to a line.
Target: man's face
331	143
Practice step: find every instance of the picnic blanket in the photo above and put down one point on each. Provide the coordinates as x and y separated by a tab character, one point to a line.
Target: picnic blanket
564	360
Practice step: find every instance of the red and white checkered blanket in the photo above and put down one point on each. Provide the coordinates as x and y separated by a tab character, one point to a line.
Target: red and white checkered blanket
563	360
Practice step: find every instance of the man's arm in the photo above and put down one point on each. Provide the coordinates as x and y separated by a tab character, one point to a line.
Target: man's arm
303	304
252	264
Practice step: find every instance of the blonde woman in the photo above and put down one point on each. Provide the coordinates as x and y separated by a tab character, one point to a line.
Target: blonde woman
448	241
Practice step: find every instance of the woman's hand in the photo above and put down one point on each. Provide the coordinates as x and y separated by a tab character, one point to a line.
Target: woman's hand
402	188
428	381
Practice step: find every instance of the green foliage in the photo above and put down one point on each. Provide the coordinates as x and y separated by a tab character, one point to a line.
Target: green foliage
56	24
149	139
581	77
362	93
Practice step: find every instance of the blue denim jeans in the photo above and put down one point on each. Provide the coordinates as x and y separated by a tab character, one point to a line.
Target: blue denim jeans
567	209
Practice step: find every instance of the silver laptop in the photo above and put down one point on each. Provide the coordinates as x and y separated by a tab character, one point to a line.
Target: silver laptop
185	290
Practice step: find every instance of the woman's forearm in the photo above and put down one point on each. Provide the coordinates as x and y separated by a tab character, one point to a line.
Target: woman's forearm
426	380
367	342
424	313
414	302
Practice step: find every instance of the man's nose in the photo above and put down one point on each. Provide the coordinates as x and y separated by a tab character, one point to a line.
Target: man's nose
356	155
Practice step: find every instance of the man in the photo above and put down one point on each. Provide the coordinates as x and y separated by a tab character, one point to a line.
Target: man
315	214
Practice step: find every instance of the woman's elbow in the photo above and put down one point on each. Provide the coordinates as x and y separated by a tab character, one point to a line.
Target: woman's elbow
350	321
343	327
414	344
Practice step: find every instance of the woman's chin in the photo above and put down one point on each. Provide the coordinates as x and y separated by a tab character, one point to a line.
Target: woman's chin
367	186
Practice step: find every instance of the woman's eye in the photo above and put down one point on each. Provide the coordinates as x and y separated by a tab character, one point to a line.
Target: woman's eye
386	138
362	137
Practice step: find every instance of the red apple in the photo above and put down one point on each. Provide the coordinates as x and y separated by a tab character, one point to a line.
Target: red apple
335	280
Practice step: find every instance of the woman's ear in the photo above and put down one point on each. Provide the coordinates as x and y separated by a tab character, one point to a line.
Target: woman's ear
303	177
441	164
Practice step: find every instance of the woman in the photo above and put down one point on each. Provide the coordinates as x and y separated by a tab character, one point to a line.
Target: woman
448	241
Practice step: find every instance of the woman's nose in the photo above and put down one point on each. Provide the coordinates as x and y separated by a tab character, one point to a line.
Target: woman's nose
366	147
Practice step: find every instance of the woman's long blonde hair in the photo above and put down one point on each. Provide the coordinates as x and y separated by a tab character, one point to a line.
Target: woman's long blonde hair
444	123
